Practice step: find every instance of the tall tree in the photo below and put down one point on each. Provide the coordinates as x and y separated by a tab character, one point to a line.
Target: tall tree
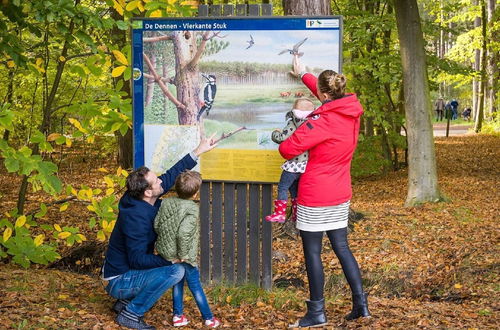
422	174
307	7
482	85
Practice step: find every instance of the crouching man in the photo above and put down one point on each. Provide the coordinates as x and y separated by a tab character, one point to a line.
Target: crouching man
136	276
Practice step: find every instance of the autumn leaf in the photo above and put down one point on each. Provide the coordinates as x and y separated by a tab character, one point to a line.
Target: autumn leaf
100	236
53	137
39	239
64	234
64	207
120	57
57	227
118	71
6	234
20	221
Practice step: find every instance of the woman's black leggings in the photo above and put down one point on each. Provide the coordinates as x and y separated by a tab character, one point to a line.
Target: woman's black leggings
312	243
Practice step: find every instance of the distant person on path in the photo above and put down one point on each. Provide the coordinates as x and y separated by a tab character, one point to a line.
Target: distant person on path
293	168
178	227
467	113
134	274
447	110
439	106
454	109
331	135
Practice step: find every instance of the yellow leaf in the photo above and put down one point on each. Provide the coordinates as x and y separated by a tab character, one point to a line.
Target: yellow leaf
118	71
156	13
260	304
77	124
111	226
39	239
39	61
100	236
109	191
108	181
63	296
458	286
124	173
82	237
68	142
53	136
62	58
63	207
57	227
6	234
91	139
11	64
120	57
140	6
228	299
91	208
102	169
64	234
20	221
104	224
132	5
119	171
7	214
73	191
118	7
89	193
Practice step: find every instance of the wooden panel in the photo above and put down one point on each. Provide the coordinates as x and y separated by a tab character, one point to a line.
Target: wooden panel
227	10
253	10
216	232
241	233
229	196
202	10
254	234
267	246
241	10
215	10
205	232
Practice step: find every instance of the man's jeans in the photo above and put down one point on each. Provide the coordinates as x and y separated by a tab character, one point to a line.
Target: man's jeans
192	277
144	287
288	182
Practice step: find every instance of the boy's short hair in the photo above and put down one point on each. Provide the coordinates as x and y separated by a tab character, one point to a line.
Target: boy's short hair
187	184
302	99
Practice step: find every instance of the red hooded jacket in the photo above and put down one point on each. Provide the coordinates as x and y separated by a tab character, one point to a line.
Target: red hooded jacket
330	134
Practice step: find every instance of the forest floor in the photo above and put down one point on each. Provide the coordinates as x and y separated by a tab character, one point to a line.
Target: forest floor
435	266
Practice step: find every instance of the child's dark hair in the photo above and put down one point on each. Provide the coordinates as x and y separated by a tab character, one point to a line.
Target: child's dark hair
187	184
332	83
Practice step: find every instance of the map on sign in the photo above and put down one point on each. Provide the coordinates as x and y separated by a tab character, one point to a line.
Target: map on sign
228	76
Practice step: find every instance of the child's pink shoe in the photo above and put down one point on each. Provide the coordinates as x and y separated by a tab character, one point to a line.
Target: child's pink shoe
293	217
179	321
213	323
279	214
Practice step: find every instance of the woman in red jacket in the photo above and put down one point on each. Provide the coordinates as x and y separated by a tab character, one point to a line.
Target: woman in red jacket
330	134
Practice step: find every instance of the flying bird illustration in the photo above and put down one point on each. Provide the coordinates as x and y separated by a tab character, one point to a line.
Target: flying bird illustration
294	50
208	95
250	42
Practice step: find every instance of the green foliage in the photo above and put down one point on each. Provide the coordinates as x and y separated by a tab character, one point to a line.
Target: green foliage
17	242
368	159
492	125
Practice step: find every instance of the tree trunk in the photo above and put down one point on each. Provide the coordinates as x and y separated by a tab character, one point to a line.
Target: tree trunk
307	7
187	75
493	58
125	143
480	115
476	67
422	172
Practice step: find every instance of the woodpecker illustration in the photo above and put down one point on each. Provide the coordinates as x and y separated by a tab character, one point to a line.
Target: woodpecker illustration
250	42
294	50
208	95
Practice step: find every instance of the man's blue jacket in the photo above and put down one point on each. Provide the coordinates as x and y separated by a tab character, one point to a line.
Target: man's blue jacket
132	241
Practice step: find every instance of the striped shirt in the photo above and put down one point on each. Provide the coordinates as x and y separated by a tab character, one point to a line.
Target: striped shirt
322	218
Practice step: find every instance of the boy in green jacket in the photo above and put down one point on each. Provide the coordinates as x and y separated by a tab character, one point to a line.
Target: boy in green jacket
178	228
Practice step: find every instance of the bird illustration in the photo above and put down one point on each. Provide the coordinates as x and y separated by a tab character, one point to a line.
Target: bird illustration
250	42
208	95
294	50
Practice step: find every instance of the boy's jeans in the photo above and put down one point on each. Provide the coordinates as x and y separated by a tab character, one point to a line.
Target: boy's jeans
192	277
144	287
288	182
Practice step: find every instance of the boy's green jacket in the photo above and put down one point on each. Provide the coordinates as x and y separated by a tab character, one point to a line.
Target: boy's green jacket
178	230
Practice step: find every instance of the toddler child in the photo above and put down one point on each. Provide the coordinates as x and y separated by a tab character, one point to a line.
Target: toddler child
293	168
178	228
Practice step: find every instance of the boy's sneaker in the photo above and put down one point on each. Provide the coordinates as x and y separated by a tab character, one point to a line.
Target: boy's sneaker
132	321
179	321
212	323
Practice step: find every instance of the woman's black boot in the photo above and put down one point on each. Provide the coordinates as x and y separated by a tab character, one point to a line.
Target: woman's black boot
315	315
359	307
